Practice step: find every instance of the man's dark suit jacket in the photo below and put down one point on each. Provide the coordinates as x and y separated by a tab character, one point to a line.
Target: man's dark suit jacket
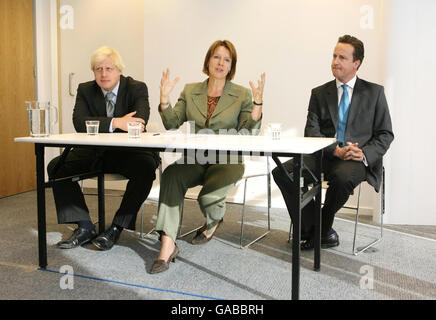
369	122
91	105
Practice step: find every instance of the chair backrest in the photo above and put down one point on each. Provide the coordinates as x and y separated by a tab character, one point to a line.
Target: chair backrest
256	165
112	177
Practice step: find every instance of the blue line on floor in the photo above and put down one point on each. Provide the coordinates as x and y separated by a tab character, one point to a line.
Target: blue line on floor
132	284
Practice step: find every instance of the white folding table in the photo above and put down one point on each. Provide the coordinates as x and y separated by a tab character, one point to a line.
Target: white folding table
295	147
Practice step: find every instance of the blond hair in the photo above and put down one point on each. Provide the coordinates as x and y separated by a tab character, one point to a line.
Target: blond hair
106	52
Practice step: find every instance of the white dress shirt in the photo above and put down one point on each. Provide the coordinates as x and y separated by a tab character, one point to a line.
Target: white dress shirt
350	87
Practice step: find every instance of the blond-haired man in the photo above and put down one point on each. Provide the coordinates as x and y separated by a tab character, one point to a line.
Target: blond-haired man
114	100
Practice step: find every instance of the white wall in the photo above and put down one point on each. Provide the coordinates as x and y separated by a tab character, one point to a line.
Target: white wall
87	25
46	61
292	41
409	76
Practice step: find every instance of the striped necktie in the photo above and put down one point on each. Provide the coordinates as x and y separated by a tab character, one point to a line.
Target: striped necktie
344	106
110	106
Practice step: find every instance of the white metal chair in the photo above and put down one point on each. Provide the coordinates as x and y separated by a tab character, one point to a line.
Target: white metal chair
151	127
359	250
266	171
107	177
119	177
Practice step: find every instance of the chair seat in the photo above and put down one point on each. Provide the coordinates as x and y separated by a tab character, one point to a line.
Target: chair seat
357	251
112	177
253	168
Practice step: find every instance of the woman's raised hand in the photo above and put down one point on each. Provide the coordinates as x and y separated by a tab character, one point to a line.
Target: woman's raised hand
166	86
258	92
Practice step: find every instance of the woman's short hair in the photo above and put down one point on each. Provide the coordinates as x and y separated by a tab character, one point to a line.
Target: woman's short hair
106	52
229	46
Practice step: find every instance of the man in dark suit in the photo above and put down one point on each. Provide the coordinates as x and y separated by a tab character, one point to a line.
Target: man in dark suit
356	113
114	100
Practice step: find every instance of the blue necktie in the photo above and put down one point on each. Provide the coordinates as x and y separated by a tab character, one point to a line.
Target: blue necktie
344	105
110	106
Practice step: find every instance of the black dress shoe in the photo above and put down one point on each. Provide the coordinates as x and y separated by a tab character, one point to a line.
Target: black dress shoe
329	241
107	239
80	236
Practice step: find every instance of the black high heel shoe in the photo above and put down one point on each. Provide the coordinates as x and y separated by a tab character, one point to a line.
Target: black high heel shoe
161	265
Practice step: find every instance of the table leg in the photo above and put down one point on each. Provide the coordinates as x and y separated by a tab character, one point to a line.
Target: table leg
101	208
317	254
296	223
296	232
40	191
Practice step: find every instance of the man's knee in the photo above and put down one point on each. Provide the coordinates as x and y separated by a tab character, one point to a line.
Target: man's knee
139	168
51	166
147	172
146	175
275	172
170	174
211	201
279	177
343	182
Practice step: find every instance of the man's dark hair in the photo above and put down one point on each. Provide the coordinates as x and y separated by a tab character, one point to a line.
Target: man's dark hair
359	50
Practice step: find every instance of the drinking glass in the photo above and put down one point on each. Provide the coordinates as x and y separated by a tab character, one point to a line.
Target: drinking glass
133	129
275	129
92	127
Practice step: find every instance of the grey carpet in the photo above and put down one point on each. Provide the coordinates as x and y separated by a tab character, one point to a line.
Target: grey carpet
402	264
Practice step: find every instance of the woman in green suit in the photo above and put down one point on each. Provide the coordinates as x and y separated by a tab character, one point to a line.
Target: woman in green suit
215	104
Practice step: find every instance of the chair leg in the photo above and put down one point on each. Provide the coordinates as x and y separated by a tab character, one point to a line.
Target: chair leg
269	199
357	219
357	251
141	227
81	183
143	235
181	220
243	214
179	235
382	205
